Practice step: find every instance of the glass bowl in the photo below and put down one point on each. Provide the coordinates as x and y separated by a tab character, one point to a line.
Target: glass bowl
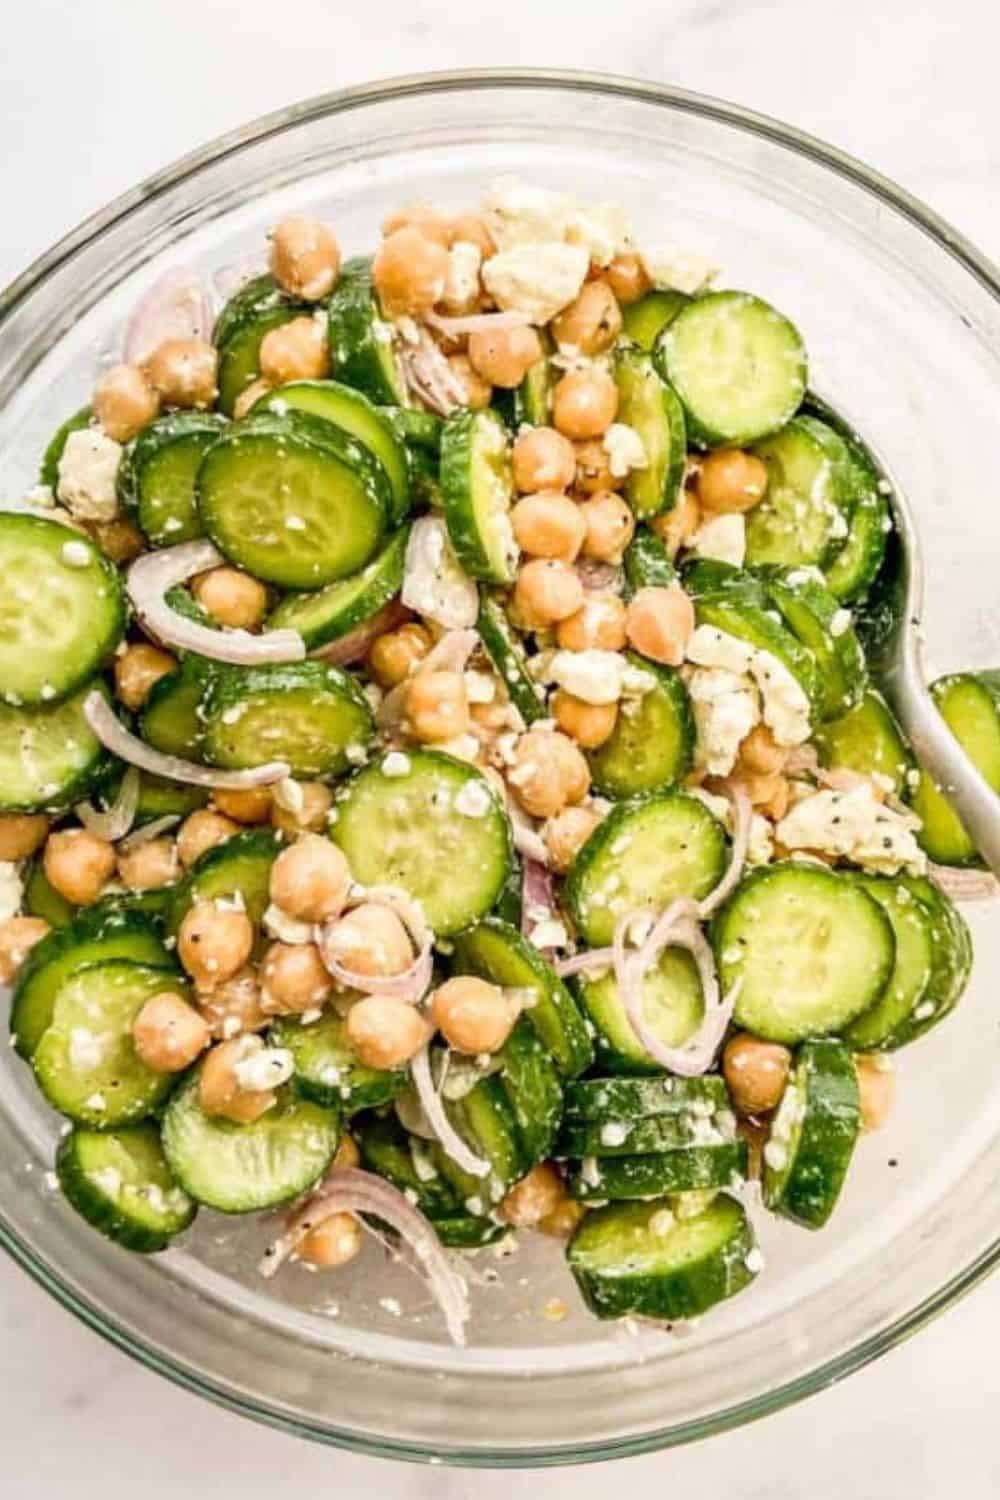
902	320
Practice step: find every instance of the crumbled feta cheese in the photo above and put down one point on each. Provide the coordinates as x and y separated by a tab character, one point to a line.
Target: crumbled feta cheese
604	230
278	924
785	703
462	747
517	213
760	845
722	538
461	279
595	676
473	800
396	764
725	708
754	1260
86	1049
841	622
625	449
613	1133
854	825
775	1155
480	687
551	933
261	1068
289	796
662	1221
75	554
538	280
11	890
590	1171
671	268
88	471
434	584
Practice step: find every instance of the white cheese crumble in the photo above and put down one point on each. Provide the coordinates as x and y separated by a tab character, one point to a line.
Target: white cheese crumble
760	846
594	675
434	583
614	1133
461	279
604	229
672	269
840	622
625	449
785	704
86	1049
88	471
396	764
550	933
75	554
480	687
722	539
473	800
278	924
518	213
538	280
854	825
261	1068
725	708
11	890
289	796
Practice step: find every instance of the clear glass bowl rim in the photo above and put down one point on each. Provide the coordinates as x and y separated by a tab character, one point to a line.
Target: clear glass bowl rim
341	101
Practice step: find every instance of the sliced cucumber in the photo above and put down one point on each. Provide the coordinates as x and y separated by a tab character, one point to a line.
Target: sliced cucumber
239	867
647	562
331	613
533	397
648	1134
672	1005
622	1178
914	931
405	1161
49	757
466	1232
803	517
485	1118
646	853
42	900
293	500
637	1260
530	1079
808	948
240	1169
509	902
439	831
172	718
62	609
627	1098
507	655
644	320
854	569
813	1135
476	491
361	341
310	714
327	1070
119	1181
647	404
738	366
418	429
734	609
248	316
868	740
817	619
159	798
652	743
951	945
157	474
48	474
968	705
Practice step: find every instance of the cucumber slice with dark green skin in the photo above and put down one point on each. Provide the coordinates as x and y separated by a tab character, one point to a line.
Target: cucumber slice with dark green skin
159	798
485	1118
85	1063
672	1005
868	740
496	951
646	853
649	1134
808	947
647	404
735	611
509	902
62	610
532	400
310	714
362	353
418	429
406	1162
652	743
341	607
636	1260
248	316
156	477
293	500
361	418
120	1182
530	1080
803	517
951	943
913	965
241	1169
48	474
172	719
50	758
42	900
629	1098
824	627
476	491
854	568
327	1070
466	1232
813	1135
507	655
623	1178
438	831
738	366
647	562
96	936
644	320
968	704
240	866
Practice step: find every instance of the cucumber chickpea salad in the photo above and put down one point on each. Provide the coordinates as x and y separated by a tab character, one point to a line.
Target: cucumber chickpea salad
441	783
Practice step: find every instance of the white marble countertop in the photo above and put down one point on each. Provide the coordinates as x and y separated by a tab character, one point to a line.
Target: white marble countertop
93	97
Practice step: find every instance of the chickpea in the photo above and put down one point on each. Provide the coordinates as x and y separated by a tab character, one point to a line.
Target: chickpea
543	460
347	1153
148	866
247	400
423	217
119	539
760	752
201	831
294	979
214	943
584	403
470	229
563	1219
591	322
219	1090
332	1243
534	1196
394	656
233	1008
78	864
311	817
305	257
21	834
136	671
566	834
593	471
589	724
168	1033
296	350
775	806
476	392
599	624
755	1072
490	717
124	402
610	527
231	597
184	372
676	528
505	356
436	706
250	804
760	788
409	272
371	940
659	623
626	276
18	935
385	1032
730	480
548	524
547	590
549	772
310	879
472	1015
877	1088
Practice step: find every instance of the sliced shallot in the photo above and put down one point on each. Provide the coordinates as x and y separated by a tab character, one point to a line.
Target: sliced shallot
583	963
115	823
355	644
177	306
128	747
447	1136
489	322
412	984
599	577
742	820
149	831
965	885
429	375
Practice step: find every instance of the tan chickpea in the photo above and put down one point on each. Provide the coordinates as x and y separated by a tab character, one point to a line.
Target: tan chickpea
136	671
755	1072
119	540
760	787
250	804
18	935
220	1093
490	717
21	834
333	1243
566	834
676	528
124	402
296	350
610	527
627	278
231	597
472	1015
776	805
184	372
470	229
436	706
311	817
505	356
659	622
599	624
168	1033
476	391
543	460
549	772
305	257
214	942
547	590
409	272
584	403
201	831
549	524
78	864
760	752
247	400
425	218
371	940
730	480
589	724
294	979
591	322
310	879
385	1032
347	1153
534	1196
563	1219
877	1088
593	468
149	866
233	1008
394	656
